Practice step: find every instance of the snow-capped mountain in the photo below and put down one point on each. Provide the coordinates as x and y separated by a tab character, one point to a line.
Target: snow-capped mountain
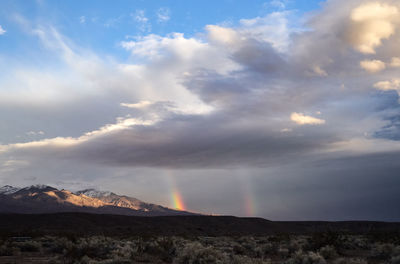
7	189
38	199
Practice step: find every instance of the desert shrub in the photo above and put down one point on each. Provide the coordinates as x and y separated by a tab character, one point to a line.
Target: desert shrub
328	252
384	237
283	252
92	247
350	261
360	242
396	251
382	251
6	250
248	260
114	261
225	244
239	249
58	245
86	260
279	238
319	240
294	246
306	258
248	242
138	246
196	253
108	261
126	250
269	249
248	246
354	242
163	248
28	246
395	260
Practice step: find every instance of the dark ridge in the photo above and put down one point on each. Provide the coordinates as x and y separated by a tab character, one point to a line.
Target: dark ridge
120	225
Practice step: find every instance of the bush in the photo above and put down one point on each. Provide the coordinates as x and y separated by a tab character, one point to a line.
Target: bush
6	250
294	246
283	252
306	258
328	252
395	260
163	248
28	246
350	261
124	251
319	240
196	253
248	260
382	251
269	249
93	247
57	245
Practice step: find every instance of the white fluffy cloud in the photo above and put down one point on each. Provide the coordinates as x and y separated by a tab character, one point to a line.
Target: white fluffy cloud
392	85
163	14
142	21
2	30
372	66
373	22
302	119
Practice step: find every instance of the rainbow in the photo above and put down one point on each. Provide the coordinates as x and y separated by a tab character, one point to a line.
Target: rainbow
249	205
178	201
176	197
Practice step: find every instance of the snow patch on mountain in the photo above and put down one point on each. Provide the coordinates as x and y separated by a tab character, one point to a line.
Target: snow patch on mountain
94	193
8	189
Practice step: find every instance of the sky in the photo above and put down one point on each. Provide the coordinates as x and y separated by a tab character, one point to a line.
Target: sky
287	110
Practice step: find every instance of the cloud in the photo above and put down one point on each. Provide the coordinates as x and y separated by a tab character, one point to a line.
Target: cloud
278	4
395	62
143	23
372	66
2	30
393	85
141	104
221	35
372	22
12	165
273	28
285	130
302	119
163	14
317	71
35	133
82	19
235	81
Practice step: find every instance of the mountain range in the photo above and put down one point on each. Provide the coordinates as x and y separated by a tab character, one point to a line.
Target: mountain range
40	199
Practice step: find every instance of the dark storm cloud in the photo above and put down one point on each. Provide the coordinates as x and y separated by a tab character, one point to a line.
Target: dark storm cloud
199	142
